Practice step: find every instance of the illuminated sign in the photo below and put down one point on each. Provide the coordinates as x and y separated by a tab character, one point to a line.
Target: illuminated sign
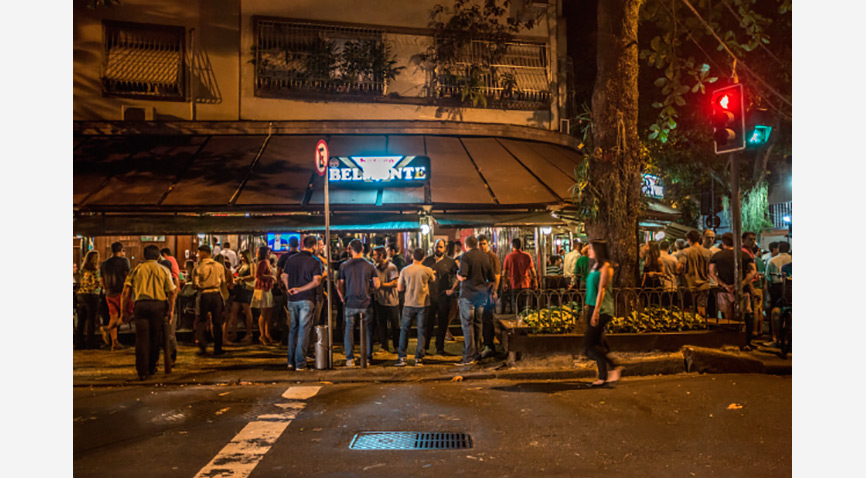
379	171
653	186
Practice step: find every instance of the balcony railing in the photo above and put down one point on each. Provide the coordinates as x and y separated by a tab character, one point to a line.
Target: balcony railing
296	57
518	80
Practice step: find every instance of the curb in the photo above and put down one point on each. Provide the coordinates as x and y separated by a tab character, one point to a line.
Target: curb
688	360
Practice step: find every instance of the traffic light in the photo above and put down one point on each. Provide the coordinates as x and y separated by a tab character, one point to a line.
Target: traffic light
729	119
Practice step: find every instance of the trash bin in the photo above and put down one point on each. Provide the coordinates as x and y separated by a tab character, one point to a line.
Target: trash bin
321	347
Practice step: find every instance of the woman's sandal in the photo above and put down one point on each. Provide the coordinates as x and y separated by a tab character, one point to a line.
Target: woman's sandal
614	375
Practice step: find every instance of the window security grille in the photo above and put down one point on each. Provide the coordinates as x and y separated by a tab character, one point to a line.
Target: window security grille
778	213
519	79
143	60
296	57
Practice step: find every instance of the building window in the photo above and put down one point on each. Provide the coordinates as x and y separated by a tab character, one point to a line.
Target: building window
516	80
143	60
301	58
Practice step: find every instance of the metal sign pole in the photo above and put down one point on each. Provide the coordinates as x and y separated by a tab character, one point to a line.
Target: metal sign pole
330	272
736	226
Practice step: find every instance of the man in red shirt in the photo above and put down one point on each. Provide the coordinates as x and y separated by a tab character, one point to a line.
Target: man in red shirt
518	273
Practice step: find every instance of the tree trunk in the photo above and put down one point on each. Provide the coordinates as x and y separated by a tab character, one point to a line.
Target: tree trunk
615	163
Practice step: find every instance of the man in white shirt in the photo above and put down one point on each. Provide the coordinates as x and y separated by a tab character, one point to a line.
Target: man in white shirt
414	280
669	280
230	254
569	260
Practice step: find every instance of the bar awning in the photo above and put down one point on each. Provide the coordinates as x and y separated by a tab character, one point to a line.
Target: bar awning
242	173
126	224
533	219
656	210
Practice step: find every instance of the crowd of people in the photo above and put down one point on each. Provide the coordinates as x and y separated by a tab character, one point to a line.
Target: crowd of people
703	270
221	289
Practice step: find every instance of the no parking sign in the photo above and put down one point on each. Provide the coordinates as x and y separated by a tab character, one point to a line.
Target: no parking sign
321	157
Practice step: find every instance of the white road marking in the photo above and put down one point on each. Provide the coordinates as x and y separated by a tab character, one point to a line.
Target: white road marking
301	392
244	452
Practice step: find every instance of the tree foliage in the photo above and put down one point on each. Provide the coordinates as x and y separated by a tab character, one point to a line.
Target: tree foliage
688	53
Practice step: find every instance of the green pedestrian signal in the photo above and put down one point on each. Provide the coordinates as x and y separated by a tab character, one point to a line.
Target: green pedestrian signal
759	135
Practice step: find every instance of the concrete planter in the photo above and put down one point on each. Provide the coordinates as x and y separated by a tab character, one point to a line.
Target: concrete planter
518	342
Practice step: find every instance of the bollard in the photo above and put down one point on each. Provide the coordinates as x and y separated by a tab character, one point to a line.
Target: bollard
166	358
321	347
363	341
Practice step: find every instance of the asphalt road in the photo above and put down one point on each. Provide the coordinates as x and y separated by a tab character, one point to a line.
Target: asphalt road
676	425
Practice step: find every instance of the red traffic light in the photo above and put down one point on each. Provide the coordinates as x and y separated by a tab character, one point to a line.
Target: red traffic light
724	100
728	119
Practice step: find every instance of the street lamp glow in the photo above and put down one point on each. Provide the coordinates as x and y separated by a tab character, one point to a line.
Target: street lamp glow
787	219
425	229
546	230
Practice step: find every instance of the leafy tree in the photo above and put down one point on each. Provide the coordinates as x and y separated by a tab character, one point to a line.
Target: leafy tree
692	48
675	43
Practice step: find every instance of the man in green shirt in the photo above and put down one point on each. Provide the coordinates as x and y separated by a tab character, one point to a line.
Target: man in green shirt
581	268
153	291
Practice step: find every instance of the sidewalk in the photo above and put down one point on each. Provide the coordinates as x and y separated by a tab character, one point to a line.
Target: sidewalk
259	364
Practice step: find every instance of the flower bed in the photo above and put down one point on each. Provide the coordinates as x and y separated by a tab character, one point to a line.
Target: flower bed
553	320
653	318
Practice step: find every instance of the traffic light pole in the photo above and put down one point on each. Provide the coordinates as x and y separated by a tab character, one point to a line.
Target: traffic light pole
736	226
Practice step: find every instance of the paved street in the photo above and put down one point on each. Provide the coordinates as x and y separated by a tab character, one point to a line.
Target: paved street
675	425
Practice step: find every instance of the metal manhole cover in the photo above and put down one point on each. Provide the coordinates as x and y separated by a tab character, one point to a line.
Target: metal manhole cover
410	441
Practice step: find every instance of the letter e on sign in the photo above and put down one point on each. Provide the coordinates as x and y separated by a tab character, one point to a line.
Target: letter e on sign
321	157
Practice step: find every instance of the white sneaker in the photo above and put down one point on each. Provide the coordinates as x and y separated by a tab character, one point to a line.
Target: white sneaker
350	363
400	362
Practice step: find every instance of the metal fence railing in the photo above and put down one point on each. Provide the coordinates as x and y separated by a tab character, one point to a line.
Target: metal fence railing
778	213
635	309
143	60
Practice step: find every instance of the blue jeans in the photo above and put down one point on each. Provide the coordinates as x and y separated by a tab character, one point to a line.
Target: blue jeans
470	321
349	329
408	314
300	325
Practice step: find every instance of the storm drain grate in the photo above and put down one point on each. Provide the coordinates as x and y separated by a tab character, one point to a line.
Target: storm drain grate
410	441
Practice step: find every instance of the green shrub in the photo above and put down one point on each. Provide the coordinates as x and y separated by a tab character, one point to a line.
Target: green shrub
567	319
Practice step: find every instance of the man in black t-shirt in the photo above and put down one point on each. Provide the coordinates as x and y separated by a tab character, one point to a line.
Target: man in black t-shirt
476	276
302	274
113	272
353	285
722	271
441	294
281	262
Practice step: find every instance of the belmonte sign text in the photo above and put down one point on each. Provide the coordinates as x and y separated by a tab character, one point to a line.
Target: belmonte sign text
379	171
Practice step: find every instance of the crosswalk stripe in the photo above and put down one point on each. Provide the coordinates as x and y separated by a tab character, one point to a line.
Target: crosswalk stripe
244	452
